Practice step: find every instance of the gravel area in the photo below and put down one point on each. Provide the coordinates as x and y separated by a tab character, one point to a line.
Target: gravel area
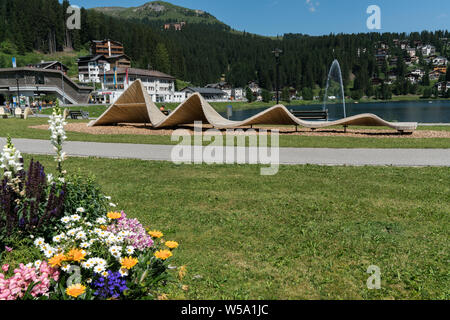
141	129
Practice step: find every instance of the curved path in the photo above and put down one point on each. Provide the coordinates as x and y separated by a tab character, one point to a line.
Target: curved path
136	106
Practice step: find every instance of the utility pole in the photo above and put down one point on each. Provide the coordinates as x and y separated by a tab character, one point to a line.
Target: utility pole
18	90
277	52
62	84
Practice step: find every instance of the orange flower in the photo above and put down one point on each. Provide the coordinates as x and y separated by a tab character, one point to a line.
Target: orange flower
172	244
182	272
75	290
128	262
156	234
104	228
76	255
57	260
114	215
163	254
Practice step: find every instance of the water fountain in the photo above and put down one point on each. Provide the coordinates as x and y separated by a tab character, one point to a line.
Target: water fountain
335	87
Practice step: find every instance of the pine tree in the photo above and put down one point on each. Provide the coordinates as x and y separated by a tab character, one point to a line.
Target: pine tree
162	61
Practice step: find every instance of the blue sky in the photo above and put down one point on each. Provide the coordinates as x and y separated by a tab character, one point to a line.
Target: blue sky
314	17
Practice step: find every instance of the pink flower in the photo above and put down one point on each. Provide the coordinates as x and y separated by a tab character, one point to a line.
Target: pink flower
8	249
5	267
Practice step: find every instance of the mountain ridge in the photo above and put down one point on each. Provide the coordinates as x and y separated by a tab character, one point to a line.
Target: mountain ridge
160	11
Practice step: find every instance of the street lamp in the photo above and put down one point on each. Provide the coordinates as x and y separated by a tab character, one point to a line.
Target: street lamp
277	52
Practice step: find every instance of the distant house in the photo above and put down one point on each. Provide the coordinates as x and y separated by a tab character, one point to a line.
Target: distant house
435	75
418	72
443	86
428	50
411	52
440	69
210	94
106	47
413	78
415	60
50	65
177	26
254	86
440	61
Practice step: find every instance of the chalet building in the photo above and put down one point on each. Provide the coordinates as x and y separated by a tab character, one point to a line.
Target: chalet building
413	78
177	26
376	81
50	65
428	50
160	86
107	48
440	61
411	52
210	94
231	93
440	69
93	68
443	86
435	75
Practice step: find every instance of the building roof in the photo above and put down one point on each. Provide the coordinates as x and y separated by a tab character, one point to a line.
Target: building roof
204	90
142	72
48	64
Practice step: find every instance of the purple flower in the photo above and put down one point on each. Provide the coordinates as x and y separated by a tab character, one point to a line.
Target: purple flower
139	237
8	249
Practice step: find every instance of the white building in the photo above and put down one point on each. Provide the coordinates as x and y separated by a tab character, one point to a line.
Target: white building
428	50
160	86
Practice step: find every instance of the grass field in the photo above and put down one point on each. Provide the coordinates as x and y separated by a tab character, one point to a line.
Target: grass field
309	232
18	128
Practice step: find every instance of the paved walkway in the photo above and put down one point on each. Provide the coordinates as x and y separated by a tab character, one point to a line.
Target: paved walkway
351	157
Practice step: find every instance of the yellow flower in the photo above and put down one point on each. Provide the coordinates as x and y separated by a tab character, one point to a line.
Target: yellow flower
114	215
76	255
104	228
172	244
156	234
163	254
75	290
57	260
128	262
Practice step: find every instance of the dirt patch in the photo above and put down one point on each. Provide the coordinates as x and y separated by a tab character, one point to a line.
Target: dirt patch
142	129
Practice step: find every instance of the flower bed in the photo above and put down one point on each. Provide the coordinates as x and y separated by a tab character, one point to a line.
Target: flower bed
85	251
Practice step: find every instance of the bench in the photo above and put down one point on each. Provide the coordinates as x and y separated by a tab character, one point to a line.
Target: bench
3	113
311	115
75	114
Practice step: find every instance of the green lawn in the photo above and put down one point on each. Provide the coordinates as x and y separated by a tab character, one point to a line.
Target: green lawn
309	232
18	128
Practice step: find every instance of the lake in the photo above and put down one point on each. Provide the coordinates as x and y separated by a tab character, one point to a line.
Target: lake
427	111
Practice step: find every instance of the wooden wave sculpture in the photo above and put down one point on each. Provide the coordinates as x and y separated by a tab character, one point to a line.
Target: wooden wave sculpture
136	106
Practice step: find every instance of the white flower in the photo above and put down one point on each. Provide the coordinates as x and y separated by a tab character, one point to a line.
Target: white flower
112	205
99	269
57	238
80	210
66	268
65	220
116	251
130	250
49	178
124	233
29	265
105	274
101	220
49	252
85	245
89	280
87	265
39	242
123	272
107	198
81	235
75	217
37	264
62	180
